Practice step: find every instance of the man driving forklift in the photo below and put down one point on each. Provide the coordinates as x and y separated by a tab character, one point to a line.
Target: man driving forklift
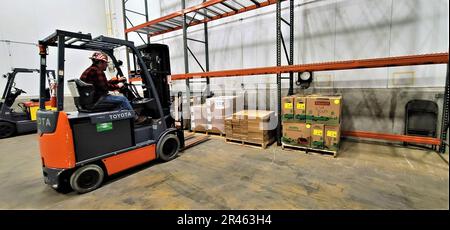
79	149
95	75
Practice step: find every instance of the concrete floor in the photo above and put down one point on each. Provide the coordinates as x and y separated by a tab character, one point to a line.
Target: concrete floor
217	175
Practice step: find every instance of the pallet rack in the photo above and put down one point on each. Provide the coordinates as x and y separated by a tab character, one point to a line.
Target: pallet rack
217	9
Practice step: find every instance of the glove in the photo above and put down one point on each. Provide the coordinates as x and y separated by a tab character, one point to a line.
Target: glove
120	85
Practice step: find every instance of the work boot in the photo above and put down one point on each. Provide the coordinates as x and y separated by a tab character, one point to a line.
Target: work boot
139	120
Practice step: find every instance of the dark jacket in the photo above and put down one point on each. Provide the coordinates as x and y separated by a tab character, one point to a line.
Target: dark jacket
93	75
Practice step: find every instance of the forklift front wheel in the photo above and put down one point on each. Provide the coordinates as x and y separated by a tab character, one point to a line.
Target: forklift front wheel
168	146
6	129
87	178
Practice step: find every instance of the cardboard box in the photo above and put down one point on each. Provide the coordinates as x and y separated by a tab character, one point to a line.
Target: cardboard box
217	109
222	106
229	127
323	109
298	134
287	108
300	108
235	128
332	136
251	125
317	132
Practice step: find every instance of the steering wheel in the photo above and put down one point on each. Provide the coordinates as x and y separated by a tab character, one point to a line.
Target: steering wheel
19	90
22	106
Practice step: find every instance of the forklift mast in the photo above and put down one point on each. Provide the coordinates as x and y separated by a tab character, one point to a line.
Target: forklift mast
10	84
156	58
9	97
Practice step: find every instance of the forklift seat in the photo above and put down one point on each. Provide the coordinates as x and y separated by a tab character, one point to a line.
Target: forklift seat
83	96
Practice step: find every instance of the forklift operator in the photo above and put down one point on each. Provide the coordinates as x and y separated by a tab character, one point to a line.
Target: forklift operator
94	75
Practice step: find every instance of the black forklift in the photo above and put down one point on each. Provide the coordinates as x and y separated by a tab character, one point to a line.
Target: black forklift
80	148
14	122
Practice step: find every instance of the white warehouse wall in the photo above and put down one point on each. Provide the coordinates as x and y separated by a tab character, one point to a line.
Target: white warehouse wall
28	21
325	30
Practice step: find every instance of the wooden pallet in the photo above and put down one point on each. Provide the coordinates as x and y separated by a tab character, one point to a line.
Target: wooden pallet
308	149
193	141
210	132
253	144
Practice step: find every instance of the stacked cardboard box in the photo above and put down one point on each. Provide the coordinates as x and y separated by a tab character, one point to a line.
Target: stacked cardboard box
255	126
300	108
315	121
219	108
287	108
317	141
294	108
259	126
298	134
324	110
332	136
211	115
236	128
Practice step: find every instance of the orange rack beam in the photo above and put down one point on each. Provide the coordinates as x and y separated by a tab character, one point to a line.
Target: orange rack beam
393	137
425	59
157	23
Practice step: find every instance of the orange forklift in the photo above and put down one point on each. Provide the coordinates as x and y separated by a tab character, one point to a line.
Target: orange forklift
79	149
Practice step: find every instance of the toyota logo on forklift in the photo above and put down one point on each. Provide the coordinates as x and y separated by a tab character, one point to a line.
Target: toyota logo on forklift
80	148
44	122
120	115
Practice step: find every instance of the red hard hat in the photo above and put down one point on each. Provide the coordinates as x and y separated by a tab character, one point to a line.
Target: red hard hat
99	56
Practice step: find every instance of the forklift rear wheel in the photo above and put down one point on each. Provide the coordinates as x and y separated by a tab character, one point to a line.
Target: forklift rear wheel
87	178
6	129
168	147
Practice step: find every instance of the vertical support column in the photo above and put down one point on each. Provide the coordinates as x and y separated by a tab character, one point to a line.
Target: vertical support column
445	114
186	64
60	74
146	18
43	71
127	52
205	27
278	74
291	45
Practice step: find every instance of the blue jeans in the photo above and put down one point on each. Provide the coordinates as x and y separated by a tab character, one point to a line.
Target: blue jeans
120	100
